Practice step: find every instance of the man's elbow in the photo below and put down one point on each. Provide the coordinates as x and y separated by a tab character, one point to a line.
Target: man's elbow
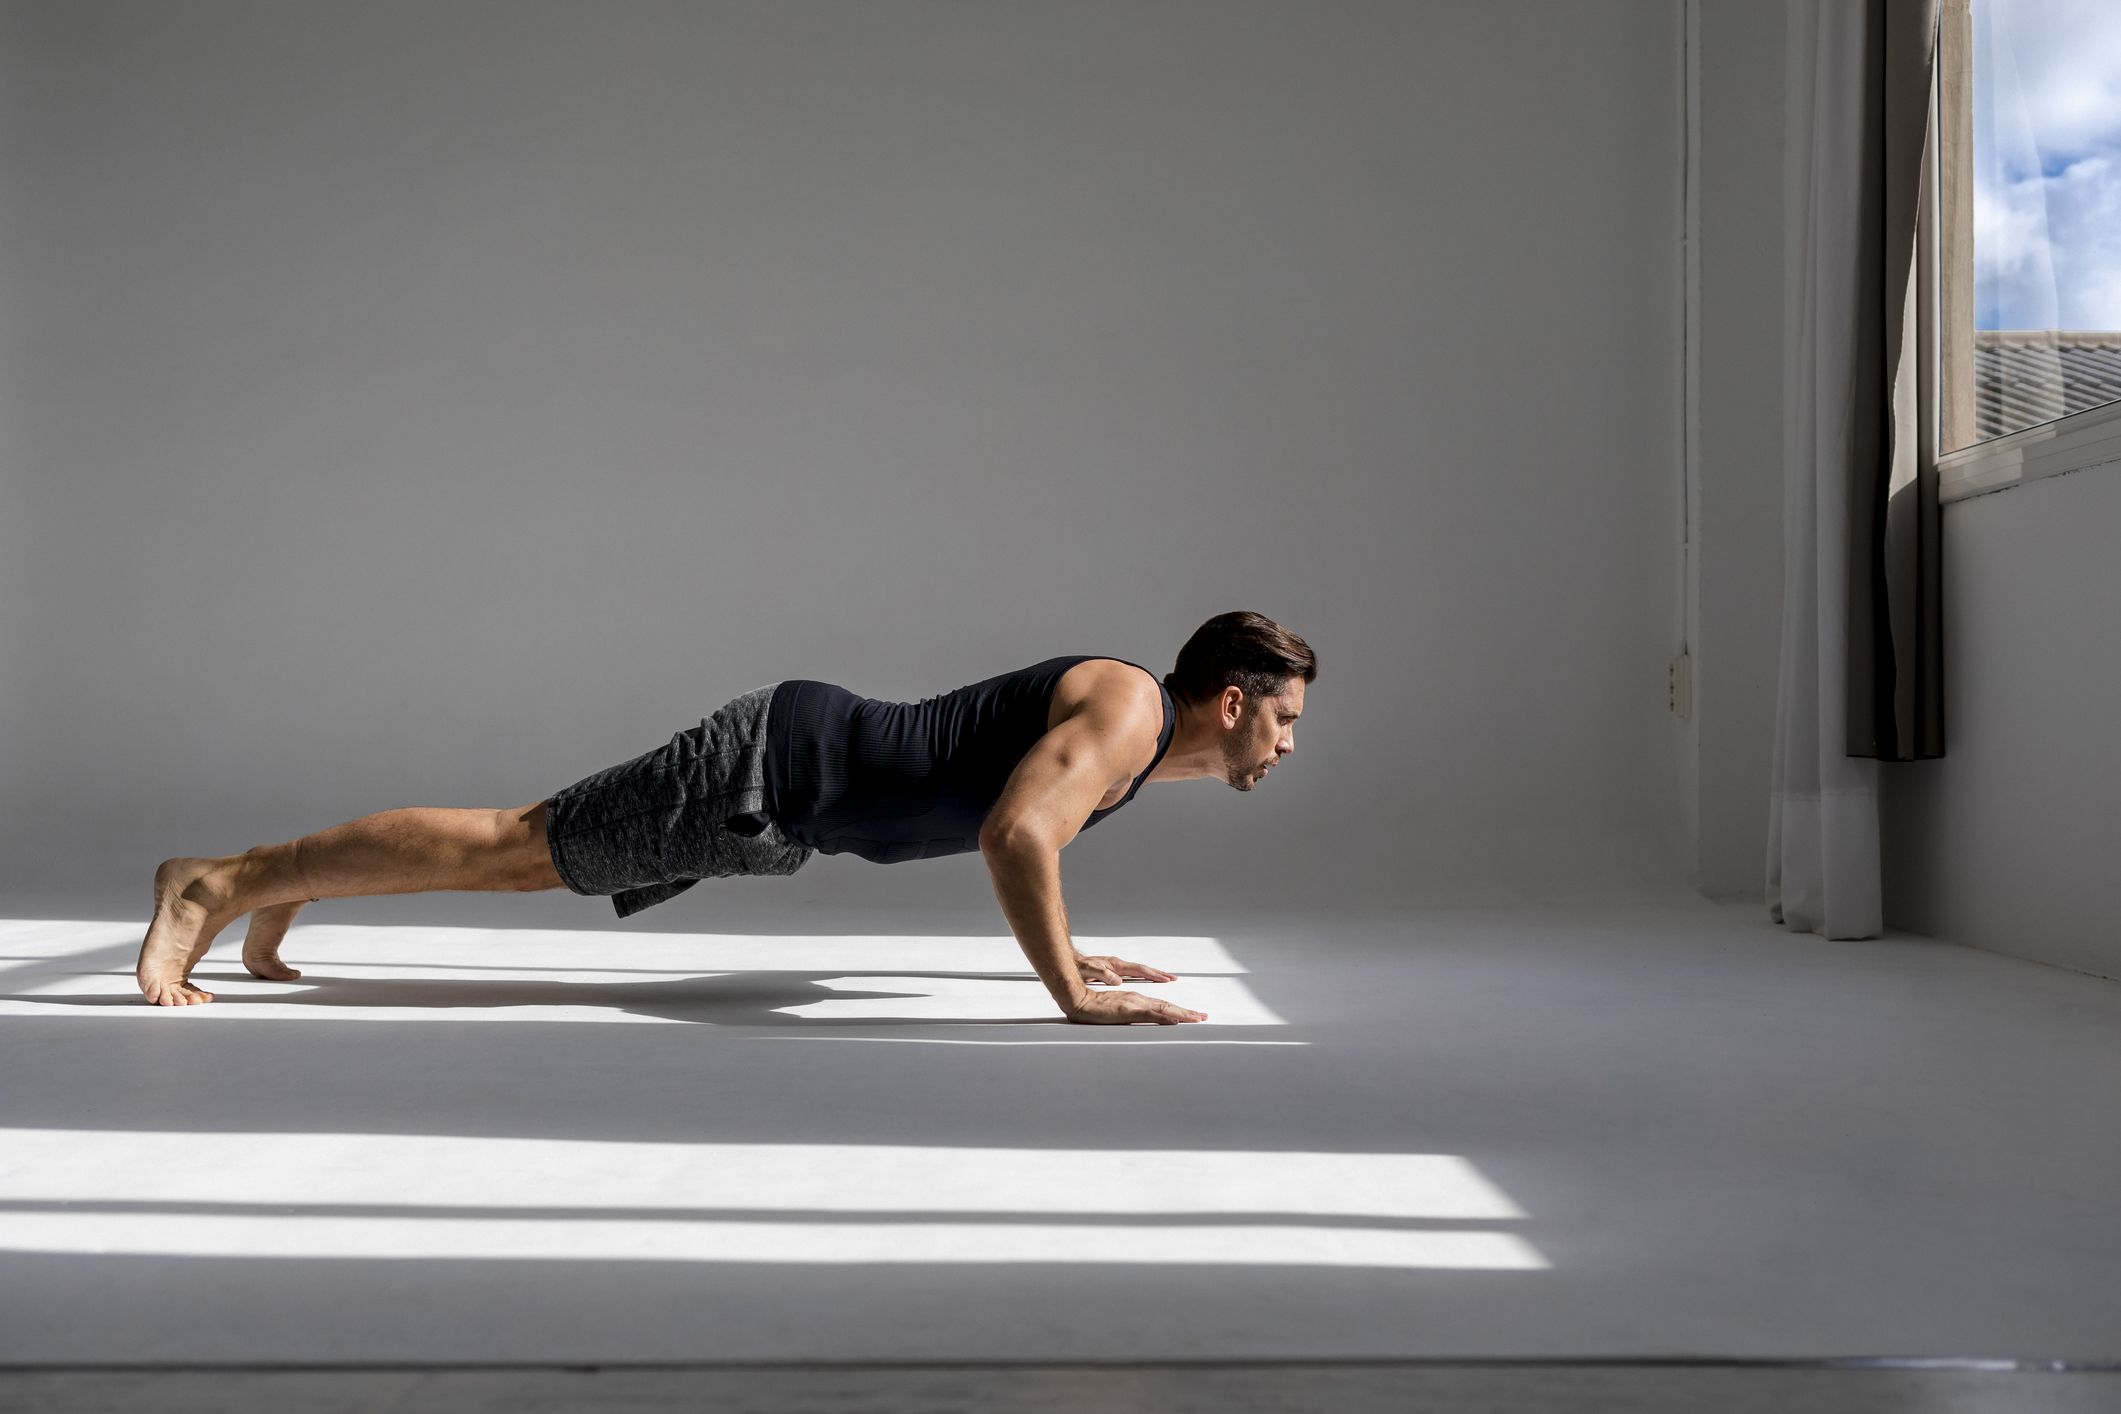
1010	838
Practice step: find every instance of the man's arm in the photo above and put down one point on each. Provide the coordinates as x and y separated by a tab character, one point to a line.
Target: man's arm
1052	791
1027	881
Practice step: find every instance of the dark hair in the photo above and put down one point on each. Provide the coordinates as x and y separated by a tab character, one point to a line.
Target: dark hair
1247	651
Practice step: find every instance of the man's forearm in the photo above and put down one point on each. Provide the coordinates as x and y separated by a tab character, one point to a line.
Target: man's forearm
1027	881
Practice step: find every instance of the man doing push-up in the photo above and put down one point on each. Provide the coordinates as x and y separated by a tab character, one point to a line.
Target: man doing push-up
1014	766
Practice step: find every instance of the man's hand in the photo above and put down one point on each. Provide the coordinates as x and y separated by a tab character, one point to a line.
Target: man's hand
1125	1008
1114	969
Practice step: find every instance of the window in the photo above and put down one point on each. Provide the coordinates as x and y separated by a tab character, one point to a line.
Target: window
2021	264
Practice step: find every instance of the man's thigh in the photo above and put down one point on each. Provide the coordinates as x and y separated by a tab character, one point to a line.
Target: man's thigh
521	834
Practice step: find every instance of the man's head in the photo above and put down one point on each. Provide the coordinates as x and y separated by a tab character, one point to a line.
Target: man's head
1245	674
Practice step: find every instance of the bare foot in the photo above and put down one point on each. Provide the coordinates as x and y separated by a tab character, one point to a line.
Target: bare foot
182	930
261	944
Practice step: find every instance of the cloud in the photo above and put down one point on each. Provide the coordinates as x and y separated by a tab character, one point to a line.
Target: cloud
2047	164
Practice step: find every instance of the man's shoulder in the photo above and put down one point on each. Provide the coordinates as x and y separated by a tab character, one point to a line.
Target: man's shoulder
1113	688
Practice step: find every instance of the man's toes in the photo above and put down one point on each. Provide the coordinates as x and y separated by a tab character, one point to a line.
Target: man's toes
261	944
261	957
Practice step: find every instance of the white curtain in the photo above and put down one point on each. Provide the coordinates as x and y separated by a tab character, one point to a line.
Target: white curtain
1861	681
1823	863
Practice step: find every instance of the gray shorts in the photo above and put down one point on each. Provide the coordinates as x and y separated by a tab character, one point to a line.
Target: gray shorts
650	828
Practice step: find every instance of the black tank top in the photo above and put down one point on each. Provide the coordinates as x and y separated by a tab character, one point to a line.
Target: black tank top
894	781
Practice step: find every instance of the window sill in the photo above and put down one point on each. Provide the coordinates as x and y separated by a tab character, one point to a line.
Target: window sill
2083	440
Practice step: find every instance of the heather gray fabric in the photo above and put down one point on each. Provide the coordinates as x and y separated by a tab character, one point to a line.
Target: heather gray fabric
695	808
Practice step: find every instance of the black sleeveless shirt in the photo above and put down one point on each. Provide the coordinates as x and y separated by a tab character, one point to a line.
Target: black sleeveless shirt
894	781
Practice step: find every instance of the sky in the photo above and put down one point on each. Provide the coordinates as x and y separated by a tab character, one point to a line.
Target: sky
2047	164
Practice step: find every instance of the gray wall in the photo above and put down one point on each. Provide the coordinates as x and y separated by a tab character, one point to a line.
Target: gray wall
431	403
2007	843
1734	580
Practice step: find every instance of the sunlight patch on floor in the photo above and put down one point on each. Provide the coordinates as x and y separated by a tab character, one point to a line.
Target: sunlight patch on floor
419	973
430	1196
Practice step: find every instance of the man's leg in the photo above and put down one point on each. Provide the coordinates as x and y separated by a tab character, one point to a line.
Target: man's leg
407	851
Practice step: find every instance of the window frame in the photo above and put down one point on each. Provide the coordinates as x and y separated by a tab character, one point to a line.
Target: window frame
2081	441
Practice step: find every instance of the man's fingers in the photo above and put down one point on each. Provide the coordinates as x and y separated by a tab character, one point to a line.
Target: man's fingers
1122	1008
1118	969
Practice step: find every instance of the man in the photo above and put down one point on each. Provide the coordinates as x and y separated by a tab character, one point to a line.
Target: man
1013	766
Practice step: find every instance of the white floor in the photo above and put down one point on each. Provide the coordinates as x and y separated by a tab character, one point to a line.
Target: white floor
1070	1389
1652	1128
